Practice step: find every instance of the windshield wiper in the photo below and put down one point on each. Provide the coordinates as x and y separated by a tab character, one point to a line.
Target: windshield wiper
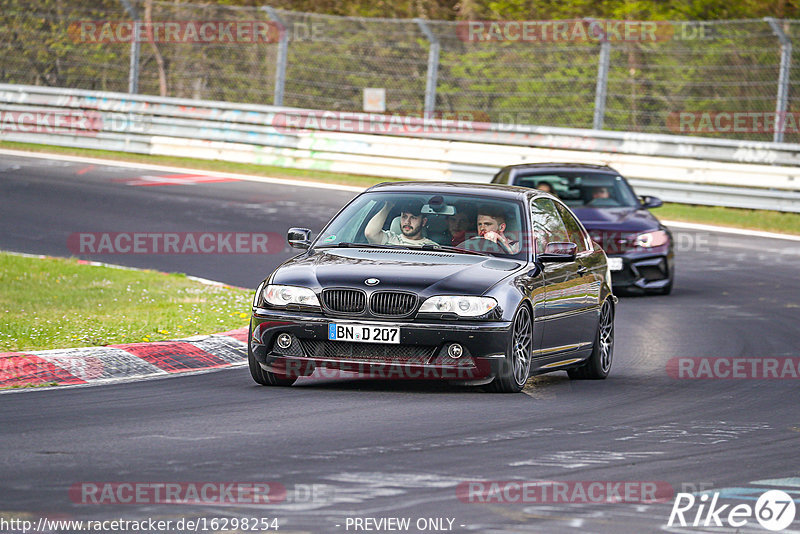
448	248
347	244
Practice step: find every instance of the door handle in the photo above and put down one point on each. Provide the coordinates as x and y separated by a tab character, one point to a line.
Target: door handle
582	270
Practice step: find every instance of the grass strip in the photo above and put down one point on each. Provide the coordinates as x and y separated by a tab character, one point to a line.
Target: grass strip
768	221
56	303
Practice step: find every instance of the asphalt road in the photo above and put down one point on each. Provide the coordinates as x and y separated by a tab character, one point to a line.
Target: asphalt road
373	449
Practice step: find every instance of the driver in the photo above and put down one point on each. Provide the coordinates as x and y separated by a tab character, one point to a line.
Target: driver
411	224
492	225
600	192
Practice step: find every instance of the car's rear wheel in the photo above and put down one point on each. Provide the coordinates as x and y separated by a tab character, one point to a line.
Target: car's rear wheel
517	363
262	377
599	363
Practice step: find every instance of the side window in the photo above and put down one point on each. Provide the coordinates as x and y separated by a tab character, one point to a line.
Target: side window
546	223
576	234
502	177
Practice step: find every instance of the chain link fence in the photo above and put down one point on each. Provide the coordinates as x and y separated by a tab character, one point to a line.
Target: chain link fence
688	78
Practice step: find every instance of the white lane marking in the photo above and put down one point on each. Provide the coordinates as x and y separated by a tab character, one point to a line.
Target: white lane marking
691	433
185	170
578	459
729	230
695	433
792	482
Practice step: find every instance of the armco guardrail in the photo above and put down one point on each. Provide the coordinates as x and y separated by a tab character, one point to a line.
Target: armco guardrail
680	169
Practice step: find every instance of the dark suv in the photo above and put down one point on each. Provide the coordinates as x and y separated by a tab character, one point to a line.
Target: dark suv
639	247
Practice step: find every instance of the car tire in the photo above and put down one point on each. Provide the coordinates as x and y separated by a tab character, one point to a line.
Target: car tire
517	363
262	377
667	289
598	365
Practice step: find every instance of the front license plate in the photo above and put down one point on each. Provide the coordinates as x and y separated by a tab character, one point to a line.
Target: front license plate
363	333
615	264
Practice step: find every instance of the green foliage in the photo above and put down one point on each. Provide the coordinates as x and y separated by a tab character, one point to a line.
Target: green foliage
726	66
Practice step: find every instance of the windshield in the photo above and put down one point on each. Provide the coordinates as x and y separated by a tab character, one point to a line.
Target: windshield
467	223
584	189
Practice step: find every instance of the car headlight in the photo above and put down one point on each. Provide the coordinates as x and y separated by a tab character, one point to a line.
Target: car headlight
652	239
463	306
278	295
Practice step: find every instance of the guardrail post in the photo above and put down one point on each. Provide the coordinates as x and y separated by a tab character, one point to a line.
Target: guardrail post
133	72
283	52
602	84
783	79
433	67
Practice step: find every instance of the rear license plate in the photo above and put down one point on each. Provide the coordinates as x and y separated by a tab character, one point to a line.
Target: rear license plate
363	333
615	264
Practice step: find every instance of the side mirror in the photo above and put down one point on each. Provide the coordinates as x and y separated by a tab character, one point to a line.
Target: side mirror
558	253
651	202
299	237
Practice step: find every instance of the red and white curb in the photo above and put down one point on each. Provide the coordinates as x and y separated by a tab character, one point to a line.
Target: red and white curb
129	361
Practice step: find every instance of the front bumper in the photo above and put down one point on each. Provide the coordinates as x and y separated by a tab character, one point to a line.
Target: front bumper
422	351
643	271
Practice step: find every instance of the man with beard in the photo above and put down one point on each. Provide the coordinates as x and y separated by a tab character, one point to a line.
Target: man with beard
411	224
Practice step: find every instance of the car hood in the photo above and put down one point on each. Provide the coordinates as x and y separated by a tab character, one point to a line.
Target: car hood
617	219
423	272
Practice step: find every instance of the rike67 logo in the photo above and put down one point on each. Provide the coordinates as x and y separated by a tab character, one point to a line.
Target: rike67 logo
774	510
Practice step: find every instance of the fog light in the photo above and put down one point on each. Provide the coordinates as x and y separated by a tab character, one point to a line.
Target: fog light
284	341
455	351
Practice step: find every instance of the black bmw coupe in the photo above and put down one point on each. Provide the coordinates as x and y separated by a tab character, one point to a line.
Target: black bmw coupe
474	284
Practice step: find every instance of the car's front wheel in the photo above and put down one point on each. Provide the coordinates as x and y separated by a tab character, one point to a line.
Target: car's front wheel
599	363
517	363
667	289
262	377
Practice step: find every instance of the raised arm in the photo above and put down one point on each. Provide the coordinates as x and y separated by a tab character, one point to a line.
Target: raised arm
373	230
